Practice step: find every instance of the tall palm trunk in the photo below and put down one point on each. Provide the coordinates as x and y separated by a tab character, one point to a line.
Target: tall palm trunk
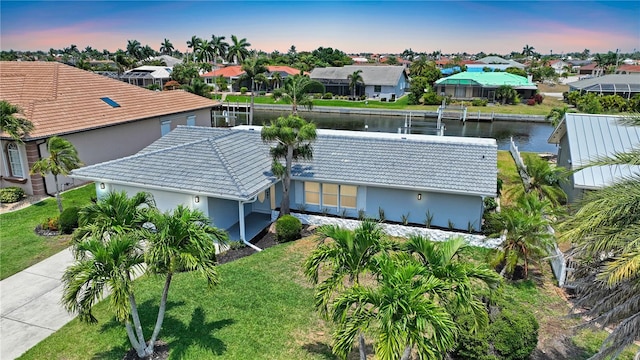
140	343
286	183
253	87
163	306
407	353
58	198
361	346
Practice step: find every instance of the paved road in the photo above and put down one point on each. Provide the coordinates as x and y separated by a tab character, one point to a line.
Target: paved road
30	307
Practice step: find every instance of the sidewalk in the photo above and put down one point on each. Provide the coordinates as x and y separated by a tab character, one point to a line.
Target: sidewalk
30	307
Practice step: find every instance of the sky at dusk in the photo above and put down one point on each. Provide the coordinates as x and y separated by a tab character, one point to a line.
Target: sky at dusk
351	26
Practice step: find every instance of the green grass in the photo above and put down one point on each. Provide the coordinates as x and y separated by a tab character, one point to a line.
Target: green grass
20	247
403	104
263	309
590	339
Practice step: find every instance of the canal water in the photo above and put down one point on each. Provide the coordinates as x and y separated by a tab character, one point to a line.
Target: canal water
528	136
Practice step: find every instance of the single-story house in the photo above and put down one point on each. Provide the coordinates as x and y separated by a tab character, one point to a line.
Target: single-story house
582	138
470	85
226	173
628	69
590	69
233	73
626	85
494	63
103	118
559	66
148	75
385	82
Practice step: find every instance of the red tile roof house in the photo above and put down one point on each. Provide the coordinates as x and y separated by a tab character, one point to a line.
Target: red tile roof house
104	119
233	73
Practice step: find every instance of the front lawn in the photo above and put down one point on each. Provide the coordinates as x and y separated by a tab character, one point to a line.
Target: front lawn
20	246
263	309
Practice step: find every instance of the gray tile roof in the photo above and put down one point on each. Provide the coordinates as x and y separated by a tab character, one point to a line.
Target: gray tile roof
235	163
371	75
596	136
609	83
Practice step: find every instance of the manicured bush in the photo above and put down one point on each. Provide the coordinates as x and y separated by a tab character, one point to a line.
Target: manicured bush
490	204
512	334
327	96
431	98
68	220
50	224
262	93
288	228
531	102
11	194
538	98
479	102
243	90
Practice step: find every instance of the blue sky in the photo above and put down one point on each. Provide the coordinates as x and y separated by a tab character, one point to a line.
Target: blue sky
351	26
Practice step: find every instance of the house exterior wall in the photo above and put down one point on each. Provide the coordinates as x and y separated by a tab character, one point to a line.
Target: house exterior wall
564	160
461	210
113	142
398	89
223	213
6	178
165	200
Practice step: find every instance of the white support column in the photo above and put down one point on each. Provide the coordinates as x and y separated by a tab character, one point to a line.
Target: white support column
241	221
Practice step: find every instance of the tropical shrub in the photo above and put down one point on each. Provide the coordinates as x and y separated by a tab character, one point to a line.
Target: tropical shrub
68	220
531	102
490	204
431	98
50	224
538	98
479	102
11	194
262	93
243	90
288	228
327	96
590	103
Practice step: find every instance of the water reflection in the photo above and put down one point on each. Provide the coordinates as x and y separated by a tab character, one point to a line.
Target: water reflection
528	136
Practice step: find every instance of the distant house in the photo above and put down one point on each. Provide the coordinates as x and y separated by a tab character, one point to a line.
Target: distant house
582	138
626	86
590	69
103	118
233	74
559	66
628	69
470	85
384	82
169	60
493	63
148	75
226	173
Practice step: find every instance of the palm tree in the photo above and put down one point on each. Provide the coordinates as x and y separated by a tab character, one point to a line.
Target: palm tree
63	157
276	80
544	180
193	45
238	50
205	51
134	49
291	137
219	46
166	47
252	68
557	114
443	261
197	87
104	265
182	241
12	122
296	91
402	313
354	79
418	67
526	234
528	50
346	256
604	233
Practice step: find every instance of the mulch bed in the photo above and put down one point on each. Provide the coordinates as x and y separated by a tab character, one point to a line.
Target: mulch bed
160	352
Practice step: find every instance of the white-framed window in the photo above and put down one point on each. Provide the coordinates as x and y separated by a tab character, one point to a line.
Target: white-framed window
191	120
15	162
348	196
311	193
377	88
330	195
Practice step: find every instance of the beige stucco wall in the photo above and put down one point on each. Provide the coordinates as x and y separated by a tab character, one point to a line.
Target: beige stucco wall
109	143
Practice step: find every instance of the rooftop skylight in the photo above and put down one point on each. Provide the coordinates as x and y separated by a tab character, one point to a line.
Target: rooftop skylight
110	102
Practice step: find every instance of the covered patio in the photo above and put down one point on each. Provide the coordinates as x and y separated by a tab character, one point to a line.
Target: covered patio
254	223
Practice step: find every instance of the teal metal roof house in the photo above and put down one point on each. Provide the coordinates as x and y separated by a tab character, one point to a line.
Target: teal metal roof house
582	138
226	173
471	85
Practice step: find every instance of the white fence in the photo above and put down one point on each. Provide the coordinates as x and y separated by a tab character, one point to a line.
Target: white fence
522	168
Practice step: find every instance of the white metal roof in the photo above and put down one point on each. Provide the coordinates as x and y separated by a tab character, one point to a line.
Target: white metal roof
593	137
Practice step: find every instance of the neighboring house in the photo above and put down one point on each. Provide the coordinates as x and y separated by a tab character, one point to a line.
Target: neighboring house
624	85
628	69
559	66
148	75
233	73
493	63
169	60
582	138
590	69
384	82
471	85
103	118
226	173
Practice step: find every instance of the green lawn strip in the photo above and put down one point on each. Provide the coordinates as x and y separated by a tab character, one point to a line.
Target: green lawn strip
590	339
20	246
403	104
263	309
